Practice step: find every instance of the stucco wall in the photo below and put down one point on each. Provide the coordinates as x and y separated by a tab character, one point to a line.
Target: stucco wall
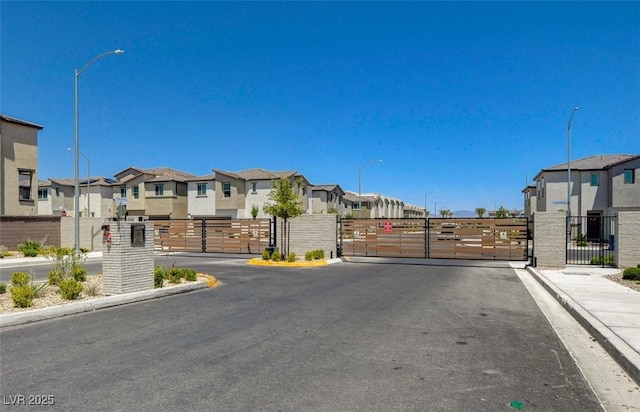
311	232
550	247
90	232
628	239
19	152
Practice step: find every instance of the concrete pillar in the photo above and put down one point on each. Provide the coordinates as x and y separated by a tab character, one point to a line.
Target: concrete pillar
627	240
127	260
550	240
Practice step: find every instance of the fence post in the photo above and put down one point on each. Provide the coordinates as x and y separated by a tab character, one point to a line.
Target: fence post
550	238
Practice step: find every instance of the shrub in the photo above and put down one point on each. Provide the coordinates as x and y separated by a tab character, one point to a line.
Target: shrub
92	287
3	288
54	277
3	251
174	275
308	255
39	288
318	254
608	260
275	256
22	296
189	275
159	275
64	262
266	255
70	289
29	248
20	279
631	273
581	239
291	257
79	273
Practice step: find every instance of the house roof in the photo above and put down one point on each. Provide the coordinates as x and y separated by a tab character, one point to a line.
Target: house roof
93	181
594	162
329	188
160	174
204	178
18	121
258	174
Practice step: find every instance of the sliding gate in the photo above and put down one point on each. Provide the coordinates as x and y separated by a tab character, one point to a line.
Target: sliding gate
453	238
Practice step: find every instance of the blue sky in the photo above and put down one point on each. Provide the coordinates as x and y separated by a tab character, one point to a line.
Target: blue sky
465	99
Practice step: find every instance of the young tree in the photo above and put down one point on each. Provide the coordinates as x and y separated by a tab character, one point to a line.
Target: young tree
502	213
287	204
480	211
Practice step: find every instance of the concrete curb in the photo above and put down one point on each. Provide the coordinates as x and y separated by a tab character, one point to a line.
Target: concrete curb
35	315
298	264
624	354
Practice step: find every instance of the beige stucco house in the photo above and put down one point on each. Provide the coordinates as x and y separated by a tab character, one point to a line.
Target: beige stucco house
327	199
18	167
159	193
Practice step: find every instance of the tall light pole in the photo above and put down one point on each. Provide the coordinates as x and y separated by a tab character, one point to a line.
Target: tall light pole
575	109
426	211
360	184
77	148
88	180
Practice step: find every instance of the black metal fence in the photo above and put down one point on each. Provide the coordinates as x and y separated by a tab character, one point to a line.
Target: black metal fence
591	240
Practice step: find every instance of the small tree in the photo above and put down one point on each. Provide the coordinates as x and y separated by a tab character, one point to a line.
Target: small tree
446	213
287	204
254	211
480	211
502	213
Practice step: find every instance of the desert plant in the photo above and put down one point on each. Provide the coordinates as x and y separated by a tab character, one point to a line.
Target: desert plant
291	257
79	273
266	255
318	254
64	262
70	289
308	255
3	251
40	288
254	211
606	261
3	288
189	275
581	239
631	273
159	275
92	287
29	248
174	275
20	279
22	296
276	256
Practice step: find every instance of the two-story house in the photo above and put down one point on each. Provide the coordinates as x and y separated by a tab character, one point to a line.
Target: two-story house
18	167
238	193
327	199
56	197
159	193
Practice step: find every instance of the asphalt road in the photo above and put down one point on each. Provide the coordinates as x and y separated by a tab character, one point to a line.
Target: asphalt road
347	337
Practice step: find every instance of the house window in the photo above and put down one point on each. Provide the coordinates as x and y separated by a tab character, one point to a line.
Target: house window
226	189
24	183
254	187
159	190
43	194
629	176
594	179
136	192
541	188
123	192
202	189
57	191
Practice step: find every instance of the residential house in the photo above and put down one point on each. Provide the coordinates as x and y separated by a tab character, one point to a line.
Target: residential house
56	197
159	193
530	200
327	199
374	205
412	211
18	166
600	186
201	196
238	193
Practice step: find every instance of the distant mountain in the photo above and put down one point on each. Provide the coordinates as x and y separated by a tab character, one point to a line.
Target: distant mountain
464	213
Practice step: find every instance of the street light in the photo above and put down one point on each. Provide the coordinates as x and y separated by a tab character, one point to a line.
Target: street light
426	211
77	147
360	184
88	180
575	109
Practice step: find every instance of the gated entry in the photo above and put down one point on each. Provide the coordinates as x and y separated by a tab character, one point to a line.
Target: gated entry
592	240
213	235
455	238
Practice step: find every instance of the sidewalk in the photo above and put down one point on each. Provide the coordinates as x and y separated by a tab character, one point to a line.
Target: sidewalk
608	311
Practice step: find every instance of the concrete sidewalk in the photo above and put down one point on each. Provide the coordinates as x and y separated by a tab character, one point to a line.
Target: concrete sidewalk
609	311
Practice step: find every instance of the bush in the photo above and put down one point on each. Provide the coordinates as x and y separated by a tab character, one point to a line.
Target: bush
291	257
3	252
3	288
314	254
608	260
22	296
308	256
189	275
266	255
174	275
159	275
20	279
54	277
92	287
631	273
581	239
79	273
276	256
29	248
39	288
70	289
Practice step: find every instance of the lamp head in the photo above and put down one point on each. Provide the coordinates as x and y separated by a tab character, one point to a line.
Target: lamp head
118	51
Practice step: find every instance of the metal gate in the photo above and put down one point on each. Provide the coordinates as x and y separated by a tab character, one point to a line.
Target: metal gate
213	235
454	238
591	240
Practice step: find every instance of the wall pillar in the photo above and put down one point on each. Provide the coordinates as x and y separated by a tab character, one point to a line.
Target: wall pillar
627	240
127	260
550	240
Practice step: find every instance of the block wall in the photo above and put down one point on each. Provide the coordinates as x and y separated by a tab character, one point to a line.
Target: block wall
628	239
16	229
550	242
311	232
127	268
90	232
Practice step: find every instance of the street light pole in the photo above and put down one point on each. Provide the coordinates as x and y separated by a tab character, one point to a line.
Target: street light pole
360	184
575	109
77	149
88	180
426	211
